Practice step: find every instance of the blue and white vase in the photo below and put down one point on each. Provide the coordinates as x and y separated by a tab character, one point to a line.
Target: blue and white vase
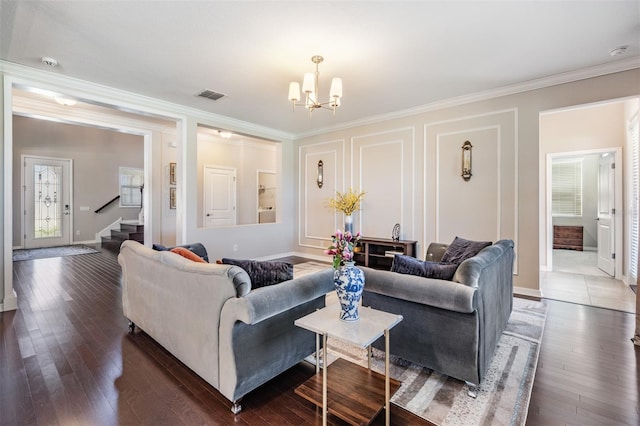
349	282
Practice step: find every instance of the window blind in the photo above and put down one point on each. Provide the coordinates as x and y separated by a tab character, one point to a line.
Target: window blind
566	197
634	138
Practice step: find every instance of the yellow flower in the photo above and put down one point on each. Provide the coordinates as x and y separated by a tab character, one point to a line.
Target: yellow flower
346	202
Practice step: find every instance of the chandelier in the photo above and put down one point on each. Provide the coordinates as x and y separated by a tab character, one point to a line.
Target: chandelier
310	88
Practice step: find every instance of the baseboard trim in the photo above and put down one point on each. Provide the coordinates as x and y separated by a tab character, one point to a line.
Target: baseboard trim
10	303
527	293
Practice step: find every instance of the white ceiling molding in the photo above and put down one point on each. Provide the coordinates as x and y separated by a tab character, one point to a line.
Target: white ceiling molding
38	109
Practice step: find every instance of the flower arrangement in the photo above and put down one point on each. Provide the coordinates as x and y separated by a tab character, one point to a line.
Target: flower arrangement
342	245
347	202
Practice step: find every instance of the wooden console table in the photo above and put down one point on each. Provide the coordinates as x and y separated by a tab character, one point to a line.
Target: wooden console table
378	252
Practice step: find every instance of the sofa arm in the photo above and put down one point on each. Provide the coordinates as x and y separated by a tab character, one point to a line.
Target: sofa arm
265	302
426	291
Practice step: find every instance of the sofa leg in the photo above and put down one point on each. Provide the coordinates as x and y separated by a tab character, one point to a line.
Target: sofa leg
472	390
132	327
236	407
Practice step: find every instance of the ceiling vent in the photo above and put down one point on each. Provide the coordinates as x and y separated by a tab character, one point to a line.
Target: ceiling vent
210	94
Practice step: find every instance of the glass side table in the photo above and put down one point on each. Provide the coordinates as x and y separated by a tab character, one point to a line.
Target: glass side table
356	397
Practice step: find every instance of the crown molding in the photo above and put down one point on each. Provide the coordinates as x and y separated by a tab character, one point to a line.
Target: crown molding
132	102
540	83
37	108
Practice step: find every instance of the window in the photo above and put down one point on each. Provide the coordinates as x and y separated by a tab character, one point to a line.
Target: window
566	198
131	182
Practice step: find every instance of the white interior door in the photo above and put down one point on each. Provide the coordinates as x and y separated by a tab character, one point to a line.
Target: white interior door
47	202
219	196
606	215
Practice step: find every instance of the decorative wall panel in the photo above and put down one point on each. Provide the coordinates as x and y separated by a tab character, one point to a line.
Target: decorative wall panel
485	207
383	167
316	223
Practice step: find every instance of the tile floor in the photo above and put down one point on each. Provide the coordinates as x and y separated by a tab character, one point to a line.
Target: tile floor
577	279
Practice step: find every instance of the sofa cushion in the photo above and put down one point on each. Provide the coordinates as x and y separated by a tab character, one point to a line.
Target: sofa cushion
196	248
412	266
188	254
460	250
263	273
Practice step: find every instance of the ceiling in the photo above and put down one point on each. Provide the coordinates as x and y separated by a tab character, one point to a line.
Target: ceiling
391	55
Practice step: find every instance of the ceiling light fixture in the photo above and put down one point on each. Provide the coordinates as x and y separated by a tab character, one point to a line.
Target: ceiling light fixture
65	101
618	51
310	88
49	61
224	134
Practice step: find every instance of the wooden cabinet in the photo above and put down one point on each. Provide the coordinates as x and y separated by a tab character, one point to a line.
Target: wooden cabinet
378	252
567	237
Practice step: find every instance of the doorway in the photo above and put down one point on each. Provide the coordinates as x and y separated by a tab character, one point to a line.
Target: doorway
46	202
593	134
219	196
584	192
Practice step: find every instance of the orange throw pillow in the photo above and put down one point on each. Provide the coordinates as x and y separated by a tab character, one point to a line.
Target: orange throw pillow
187	254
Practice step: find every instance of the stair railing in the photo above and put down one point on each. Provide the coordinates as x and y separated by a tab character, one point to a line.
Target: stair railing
107	203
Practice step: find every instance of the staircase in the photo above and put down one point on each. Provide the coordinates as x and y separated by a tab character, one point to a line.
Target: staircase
127	231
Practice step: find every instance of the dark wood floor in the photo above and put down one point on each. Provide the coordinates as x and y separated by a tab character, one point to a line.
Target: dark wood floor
66	358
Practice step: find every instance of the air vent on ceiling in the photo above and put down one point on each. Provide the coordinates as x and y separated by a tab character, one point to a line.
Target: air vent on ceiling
210	94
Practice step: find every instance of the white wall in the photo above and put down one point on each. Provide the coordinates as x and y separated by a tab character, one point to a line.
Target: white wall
410	169
592	127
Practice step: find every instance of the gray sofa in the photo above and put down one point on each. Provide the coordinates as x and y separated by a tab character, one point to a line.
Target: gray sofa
449	326
208	317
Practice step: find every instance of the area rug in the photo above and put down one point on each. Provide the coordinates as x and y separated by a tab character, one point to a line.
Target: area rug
306	268
46	252
503	397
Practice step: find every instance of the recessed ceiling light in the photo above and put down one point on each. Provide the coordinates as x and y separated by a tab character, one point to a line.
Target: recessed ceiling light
49	61
618	51
65	101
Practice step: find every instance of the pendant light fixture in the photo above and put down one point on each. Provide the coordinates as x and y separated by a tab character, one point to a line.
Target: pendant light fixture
310	89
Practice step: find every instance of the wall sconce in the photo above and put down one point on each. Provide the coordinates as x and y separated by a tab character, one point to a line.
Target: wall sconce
320	178
466	160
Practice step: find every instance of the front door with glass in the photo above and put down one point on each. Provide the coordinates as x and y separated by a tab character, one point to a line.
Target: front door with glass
46	202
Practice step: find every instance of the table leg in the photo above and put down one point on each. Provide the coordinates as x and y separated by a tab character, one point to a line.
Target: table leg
317	353
387	406
324	379
369	357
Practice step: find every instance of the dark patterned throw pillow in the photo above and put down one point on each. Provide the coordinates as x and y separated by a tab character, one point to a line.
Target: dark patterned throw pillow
460	250
423	268
263	273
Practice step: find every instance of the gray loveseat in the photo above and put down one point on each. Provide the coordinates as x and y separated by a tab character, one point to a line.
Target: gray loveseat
449	326
208	317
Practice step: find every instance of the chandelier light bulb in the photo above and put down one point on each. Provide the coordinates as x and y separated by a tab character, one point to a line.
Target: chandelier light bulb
336	88
294	91
308	84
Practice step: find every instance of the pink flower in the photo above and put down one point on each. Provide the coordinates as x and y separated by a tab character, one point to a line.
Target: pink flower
342	247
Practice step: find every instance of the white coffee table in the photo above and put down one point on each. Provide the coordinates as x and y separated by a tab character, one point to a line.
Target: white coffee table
372	325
